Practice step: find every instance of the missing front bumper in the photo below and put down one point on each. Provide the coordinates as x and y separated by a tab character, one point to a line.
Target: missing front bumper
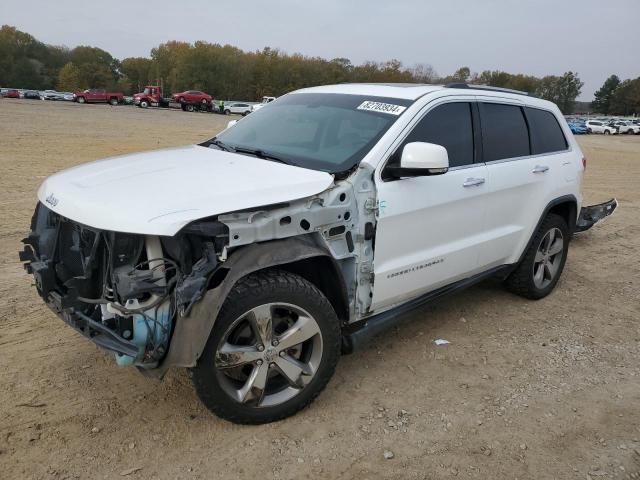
593	214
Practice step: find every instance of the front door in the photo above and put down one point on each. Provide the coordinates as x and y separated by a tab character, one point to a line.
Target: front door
430	228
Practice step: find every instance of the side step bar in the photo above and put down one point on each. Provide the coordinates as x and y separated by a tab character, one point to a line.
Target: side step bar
358	335
591	215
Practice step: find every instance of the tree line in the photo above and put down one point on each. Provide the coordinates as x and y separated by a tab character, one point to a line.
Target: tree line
617	97
228	72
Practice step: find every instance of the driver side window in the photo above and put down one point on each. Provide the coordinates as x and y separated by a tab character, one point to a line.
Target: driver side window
449	125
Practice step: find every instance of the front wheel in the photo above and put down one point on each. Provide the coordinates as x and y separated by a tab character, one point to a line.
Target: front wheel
540	269
273	348
607	132
81	100
227	112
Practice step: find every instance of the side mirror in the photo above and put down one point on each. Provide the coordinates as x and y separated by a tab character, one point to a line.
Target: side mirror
421	159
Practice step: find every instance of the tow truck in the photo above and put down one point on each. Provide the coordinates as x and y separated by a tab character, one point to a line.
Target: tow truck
152	96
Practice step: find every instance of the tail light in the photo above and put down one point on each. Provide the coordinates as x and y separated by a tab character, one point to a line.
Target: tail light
584	163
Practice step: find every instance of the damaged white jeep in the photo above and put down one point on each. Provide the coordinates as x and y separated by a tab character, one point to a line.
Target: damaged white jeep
257	257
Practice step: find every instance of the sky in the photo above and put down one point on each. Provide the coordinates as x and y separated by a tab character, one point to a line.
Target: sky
539	37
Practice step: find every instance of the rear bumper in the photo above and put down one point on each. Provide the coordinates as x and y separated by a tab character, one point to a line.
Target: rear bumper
593	214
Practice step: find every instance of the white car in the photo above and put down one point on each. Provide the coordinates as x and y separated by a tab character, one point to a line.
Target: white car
305	229
597	126
627	127
265	100
237	108
51	95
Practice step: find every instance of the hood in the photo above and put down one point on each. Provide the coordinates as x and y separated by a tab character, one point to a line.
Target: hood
159	192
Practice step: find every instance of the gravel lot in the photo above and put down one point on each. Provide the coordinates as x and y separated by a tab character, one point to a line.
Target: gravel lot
547	389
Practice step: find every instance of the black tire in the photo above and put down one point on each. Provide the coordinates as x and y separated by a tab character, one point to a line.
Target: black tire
113	101
258	289
81	100
190	107
227	112
521	280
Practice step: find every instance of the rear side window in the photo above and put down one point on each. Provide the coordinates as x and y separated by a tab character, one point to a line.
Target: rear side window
449	125
504	132
546	134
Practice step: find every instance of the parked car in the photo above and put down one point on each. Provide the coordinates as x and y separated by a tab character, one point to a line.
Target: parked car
305	229
98	95
31	94
11	93
577	128
238	108
598	126
257	106
192	96
51	95
627	127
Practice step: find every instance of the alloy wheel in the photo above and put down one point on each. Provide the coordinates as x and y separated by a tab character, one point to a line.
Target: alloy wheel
548	258
269	355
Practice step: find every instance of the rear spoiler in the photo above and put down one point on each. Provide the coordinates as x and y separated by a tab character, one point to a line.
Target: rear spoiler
591	215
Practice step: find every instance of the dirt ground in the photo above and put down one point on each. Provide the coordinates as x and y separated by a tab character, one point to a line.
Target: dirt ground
547	389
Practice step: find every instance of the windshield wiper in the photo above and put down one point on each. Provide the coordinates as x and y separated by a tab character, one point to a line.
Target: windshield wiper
262	154
220	144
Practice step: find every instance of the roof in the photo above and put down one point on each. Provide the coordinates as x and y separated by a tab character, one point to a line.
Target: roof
413	91
409	91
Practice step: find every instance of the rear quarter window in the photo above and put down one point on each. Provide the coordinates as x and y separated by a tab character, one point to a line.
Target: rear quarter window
546	133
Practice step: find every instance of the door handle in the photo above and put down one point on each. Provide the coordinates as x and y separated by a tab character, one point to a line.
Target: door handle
540	169
473	182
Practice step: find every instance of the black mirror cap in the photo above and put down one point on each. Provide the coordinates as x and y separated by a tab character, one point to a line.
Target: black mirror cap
396	172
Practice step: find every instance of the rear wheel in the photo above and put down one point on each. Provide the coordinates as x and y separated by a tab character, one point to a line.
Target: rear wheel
539	272
272	350
113	101
190	107
227	112
607	132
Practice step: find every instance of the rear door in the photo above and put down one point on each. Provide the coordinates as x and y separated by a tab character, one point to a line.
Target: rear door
526	153
428	227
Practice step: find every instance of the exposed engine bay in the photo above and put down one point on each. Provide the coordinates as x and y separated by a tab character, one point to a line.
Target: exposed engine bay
121	290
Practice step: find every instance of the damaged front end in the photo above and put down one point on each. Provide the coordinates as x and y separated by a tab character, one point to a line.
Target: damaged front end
123	291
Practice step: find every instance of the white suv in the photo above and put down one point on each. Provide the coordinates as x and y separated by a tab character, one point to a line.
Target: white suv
597	126
256	257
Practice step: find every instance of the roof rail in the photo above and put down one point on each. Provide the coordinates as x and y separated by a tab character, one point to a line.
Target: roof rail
488	88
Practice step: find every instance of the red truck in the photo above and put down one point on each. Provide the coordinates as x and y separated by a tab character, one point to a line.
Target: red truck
152	96
98	95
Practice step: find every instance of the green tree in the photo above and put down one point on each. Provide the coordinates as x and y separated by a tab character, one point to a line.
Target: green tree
69	78
625	100
603	96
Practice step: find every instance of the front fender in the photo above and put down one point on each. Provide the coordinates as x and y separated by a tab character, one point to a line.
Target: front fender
191	332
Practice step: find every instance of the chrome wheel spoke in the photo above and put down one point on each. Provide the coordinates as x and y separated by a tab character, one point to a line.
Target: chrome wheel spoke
297	373
231	356
539	257
301	331
556	247
262	324
538	275
253	389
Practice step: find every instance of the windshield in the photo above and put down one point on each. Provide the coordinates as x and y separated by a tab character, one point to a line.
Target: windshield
321	131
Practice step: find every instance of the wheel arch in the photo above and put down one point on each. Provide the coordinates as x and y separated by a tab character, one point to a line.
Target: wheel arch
301	255
566	206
